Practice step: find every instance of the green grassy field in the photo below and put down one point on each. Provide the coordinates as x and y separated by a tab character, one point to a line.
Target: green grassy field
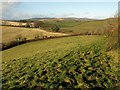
73	26
69	62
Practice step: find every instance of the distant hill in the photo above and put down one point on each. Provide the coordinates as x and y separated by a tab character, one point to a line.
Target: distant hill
69	18
80	19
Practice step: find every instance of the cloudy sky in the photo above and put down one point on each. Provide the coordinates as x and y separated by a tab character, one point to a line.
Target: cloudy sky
16	9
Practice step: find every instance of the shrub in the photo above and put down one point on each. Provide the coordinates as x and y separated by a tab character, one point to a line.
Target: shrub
1	45
55	28
18	40
27	25
37	37
46	26
37	24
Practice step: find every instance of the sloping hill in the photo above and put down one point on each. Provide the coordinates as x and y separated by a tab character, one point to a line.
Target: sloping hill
82	27
46	45
11	33
69	62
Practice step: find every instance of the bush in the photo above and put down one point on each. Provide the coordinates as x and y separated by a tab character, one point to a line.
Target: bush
37	24
47	26
9	45
27	25
19	40
1	45
55	28
37	37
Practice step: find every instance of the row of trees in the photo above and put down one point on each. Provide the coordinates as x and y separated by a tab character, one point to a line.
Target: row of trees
18	40
34	24
21	40
43	25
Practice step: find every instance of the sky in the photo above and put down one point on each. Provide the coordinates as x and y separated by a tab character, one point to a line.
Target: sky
22	10
59	0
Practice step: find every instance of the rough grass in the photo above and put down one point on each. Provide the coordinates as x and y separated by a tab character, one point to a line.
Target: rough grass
11	33
70	62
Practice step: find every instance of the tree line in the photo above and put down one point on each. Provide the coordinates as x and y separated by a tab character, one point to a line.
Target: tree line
34	24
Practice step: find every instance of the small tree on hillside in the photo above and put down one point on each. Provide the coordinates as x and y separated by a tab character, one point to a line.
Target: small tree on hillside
37	24
19	39
27	25
55	28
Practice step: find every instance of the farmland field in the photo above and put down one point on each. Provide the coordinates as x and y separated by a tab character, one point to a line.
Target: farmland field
13	36
82	27
11	33
59	45
69	62
66	26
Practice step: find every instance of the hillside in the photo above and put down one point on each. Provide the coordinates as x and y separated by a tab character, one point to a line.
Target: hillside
59	45
58	19
47	45
11	33
47	28
69	62
68	25
79	26
66	62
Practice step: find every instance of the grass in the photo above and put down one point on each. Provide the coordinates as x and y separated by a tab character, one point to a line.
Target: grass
11	33
72	26
39	46
66	26
69	62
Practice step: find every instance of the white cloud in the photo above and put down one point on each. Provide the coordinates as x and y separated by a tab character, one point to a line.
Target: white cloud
9	0
8	9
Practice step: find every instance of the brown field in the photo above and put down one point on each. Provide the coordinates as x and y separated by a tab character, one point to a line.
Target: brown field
11	33
3	22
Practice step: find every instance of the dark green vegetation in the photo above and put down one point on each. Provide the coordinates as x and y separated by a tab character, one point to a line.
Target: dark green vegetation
43	25
49	26
70	62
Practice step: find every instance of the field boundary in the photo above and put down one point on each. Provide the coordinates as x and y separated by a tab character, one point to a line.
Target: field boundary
39	39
